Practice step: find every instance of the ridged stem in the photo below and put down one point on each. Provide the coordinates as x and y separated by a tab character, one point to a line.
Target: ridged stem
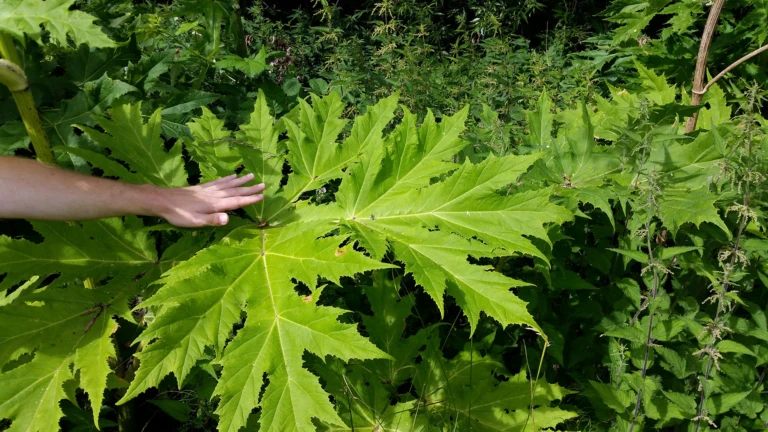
13	77
8	49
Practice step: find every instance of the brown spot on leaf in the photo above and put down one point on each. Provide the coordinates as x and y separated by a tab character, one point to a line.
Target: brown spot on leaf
341	251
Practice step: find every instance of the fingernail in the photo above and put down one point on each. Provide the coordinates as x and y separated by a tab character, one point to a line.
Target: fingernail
223	219
249	175
262	185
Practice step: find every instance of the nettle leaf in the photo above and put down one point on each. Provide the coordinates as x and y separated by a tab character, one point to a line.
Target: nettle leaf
721	403
387	200
616	399
24	17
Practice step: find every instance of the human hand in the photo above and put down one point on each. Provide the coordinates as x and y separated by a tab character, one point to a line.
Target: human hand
205	204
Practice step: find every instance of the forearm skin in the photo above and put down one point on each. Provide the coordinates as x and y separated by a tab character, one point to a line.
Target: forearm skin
32	190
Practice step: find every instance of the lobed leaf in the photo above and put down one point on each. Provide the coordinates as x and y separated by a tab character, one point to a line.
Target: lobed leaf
24	17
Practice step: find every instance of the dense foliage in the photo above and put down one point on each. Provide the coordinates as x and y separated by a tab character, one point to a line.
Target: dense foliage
480	216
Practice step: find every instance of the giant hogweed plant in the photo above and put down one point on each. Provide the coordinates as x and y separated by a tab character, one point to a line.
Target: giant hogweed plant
668	277
226	303
249	301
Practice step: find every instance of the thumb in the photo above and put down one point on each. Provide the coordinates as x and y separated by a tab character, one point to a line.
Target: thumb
216	219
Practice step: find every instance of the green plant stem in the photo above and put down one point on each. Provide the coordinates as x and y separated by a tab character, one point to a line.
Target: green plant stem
720	308
654	292
126	370
237	29
724	289
126	421
8	49
13	77
762	377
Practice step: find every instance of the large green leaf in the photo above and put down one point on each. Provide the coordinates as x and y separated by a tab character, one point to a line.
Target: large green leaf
94	100
140	145
465	390
693	165
98	249
24	17
251	66
253	272
313	153
696	206
68	331
204	298
212	147
467	204
634	17
13	136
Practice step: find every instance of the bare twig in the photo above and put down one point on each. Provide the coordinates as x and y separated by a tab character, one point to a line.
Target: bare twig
730	68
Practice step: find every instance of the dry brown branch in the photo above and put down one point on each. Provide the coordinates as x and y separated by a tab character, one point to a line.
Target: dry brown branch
731	67
701	61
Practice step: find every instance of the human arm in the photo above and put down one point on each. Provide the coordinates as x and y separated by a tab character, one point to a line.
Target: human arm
32	190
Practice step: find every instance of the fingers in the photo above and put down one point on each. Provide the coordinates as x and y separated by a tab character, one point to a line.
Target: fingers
244	191
205	204
213	219
196	220
219	181
233	182
236	202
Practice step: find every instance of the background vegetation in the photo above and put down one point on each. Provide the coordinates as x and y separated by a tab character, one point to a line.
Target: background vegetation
638	245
